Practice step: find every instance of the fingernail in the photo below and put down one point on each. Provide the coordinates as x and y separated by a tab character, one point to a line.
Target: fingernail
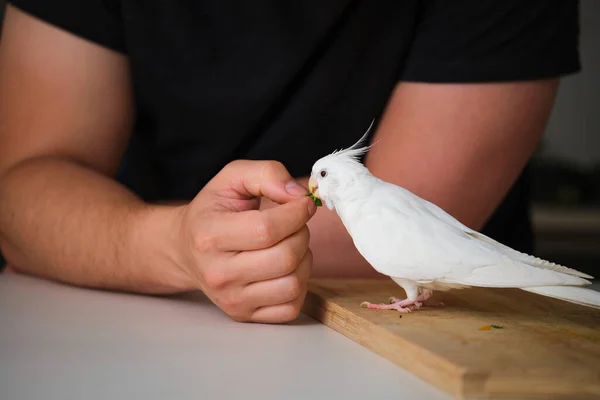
295	189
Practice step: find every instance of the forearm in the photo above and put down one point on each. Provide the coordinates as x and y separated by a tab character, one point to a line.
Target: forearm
62	221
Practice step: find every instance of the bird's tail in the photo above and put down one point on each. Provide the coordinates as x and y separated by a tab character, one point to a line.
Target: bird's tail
572	294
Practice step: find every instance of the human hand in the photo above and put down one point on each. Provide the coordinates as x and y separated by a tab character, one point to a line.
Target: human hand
253	264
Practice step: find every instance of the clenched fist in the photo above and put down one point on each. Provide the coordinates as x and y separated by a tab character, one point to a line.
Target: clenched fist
253	264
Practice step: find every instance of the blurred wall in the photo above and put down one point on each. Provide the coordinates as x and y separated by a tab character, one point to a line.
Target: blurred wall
573	132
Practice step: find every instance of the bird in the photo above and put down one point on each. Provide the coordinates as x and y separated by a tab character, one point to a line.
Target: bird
423	248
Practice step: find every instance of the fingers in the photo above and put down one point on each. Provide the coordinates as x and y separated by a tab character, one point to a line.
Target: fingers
276	261
249	178
284	311
282	289
279	313
254	229
285	293
253	261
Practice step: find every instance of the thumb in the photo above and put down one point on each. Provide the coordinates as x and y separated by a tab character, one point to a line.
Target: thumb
243	179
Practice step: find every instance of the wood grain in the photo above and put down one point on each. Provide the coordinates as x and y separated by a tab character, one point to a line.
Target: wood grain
546	349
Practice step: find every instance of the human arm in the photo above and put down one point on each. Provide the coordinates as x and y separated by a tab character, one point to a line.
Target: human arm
66	112
64	217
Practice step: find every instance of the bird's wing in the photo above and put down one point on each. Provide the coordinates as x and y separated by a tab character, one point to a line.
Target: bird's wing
399	240
401	236
518	256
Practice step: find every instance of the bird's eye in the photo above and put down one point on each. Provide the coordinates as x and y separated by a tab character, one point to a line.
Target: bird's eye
323	173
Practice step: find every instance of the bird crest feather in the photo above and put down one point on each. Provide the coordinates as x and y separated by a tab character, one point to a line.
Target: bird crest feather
356	151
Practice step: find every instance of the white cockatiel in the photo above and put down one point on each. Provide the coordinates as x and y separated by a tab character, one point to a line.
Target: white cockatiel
422	247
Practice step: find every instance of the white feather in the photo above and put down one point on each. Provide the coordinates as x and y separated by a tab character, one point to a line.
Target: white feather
572	294
411	239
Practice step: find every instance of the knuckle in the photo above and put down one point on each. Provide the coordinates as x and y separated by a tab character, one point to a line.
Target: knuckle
240	318
204	243
264	231
274	167
295	287
309	258
305	234
234	164
231	304
238	313
290	313
215	280
289	260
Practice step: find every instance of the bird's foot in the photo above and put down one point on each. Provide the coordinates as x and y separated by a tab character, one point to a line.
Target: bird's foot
422	300
406	305
394	306
406	302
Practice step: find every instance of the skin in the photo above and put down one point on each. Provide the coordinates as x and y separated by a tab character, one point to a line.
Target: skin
63	217
64	129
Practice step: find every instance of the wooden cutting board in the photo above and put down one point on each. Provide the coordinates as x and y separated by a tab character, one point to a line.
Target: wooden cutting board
546	348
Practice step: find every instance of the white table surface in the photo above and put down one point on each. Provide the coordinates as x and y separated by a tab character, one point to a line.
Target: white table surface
60	342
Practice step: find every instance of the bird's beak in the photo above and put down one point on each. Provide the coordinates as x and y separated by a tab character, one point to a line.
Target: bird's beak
312	186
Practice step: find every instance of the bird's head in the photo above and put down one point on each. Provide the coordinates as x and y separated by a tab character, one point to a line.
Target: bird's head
334	173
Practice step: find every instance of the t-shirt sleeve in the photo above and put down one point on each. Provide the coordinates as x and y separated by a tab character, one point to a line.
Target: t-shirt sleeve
94	20
490	41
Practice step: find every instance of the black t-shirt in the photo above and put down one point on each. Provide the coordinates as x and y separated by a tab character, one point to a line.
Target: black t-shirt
219	80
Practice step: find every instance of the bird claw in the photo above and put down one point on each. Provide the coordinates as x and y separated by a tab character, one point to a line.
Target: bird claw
404	305
419	303
395	306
